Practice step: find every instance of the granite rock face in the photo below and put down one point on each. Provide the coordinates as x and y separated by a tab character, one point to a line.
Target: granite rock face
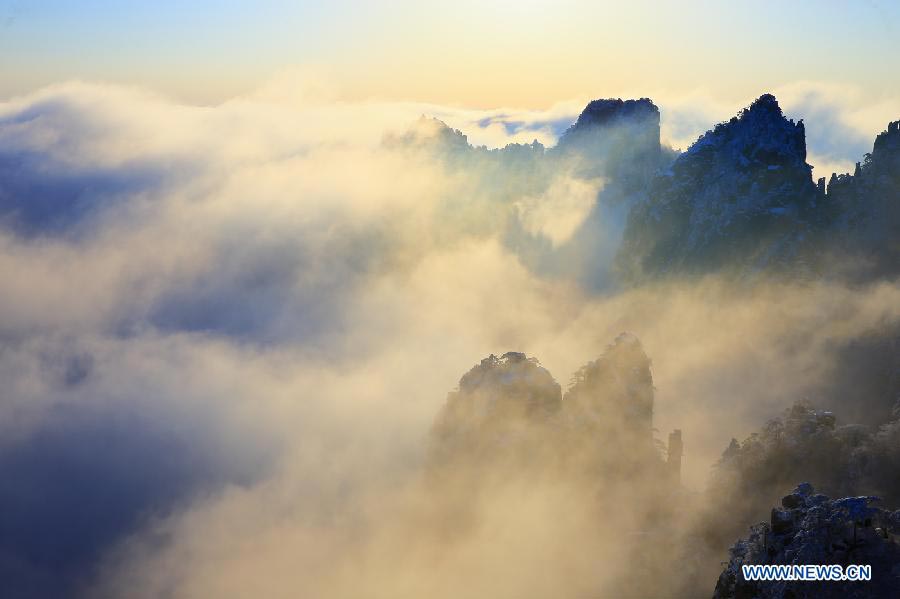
619	140
741	200
503	405
868	204
510	405
615	391
840	460
810	528
741	197
613	111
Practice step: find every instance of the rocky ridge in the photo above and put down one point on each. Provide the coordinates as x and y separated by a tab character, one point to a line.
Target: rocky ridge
811	529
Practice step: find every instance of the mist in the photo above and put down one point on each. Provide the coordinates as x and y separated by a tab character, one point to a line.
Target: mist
226	334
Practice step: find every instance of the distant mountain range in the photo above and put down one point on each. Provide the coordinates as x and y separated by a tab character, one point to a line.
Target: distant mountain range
740	203
741	200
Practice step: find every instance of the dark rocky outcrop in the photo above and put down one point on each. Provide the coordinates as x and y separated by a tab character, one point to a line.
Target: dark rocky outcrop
511	405
868	203
811	529
741	197
741	200
804	443
616	389
618	140
503	406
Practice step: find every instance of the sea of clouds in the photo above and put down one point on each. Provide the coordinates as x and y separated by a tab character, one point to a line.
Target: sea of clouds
225	332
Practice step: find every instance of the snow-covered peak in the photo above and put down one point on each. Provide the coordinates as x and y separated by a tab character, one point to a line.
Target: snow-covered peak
759	134
742	197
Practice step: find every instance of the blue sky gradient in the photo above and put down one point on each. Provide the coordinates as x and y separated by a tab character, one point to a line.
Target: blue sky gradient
526	54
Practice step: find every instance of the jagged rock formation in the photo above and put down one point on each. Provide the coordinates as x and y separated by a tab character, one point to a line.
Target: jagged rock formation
613	395
503	406
742	197
508	416
804	443
869	207
610	401
512	385
810	528
740	200
615	111
435	136
618	140
508	432
609	414
615	143
614	148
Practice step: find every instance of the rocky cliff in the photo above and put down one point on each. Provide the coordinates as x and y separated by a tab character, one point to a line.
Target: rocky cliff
867	227
809	528
618	140
741	197
512	405
742	200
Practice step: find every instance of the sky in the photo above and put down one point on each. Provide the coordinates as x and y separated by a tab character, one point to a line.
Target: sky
525	53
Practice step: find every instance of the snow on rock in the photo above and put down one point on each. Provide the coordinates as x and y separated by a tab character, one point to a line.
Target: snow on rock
742	195
809	528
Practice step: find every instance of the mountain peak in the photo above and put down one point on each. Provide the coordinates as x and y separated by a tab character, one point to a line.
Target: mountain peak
616	139
613	113
765	103
742	194
888	141
609	111
758	134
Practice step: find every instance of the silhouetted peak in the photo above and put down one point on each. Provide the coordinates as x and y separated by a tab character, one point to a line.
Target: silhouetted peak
613	110
888	141
618	140
430	131
626	340
741	196
499	404
759	133
766	103
512	377
880	166
617	387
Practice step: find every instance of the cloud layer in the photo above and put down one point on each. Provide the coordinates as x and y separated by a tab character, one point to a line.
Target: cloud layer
226	332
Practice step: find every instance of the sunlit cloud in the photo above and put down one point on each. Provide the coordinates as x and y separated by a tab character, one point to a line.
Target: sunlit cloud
261	306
